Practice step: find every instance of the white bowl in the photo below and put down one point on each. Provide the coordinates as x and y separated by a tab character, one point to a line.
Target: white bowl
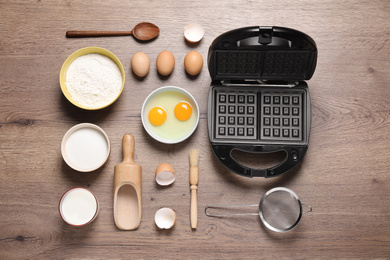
162	132
85	147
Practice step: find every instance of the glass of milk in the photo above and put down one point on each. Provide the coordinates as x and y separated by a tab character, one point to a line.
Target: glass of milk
78	206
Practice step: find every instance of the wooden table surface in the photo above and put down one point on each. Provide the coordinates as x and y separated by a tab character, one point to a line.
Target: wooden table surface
345	175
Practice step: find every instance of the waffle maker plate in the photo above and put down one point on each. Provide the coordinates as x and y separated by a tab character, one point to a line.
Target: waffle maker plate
258	100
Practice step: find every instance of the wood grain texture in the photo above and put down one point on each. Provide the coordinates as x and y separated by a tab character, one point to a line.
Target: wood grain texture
345	174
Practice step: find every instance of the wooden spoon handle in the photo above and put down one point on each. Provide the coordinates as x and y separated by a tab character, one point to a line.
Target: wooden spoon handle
128	148
78	34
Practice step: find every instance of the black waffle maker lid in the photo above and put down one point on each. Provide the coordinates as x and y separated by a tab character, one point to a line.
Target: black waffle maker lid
279	53
276	56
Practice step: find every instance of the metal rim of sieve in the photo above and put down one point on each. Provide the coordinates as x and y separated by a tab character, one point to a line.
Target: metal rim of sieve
296	210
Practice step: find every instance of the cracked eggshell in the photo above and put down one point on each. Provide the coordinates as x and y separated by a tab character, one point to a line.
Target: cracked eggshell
193	33
165	175
165	218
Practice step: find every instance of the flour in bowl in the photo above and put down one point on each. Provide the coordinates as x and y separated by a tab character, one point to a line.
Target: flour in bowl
93	80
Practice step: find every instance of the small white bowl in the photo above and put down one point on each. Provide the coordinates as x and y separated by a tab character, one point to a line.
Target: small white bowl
160	134
85	147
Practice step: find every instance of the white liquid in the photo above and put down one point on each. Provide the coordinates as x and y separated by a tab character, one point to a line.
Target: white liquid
78	206
87	149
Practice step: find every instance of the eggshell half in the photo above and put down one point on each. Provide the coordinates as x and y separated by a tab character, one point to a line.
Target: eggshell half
193	33
165	175
165	218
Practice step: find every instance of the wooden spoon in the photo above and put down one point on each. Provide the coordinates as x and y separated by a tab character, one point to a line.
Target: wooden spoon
142	32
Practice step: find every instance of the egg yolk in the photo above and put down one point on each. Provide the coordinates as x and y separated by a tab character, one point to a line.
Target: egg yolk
183	111
157	116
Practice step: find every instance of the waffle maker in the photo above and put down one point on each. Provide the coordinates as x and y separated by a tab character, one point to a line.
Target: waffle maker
258	99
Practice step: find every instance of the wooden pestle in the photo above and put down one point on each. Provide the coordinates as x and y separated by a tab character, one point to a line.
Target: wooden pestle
127	188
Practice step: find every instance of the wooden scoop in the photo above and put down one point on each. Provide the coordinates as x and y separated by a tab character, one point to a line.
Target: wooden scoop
142	32
127	188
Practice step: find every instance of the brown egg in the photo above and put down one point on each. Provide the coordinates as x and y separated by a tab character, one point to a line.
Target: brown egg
193	63
140	64
165	63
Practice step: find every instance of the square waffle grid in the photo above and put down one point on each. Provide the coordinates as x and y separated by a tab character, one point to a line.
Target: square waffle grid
286	63
243	63
252	64
259	115
281	116
236	115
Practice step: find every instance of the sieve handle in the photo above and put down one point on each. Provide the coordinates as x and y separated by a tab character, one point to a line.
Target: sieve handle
228	206
310	209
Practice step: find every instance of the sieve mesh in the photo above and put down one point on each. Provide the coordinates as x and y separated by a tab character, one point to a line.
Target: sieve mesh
280	210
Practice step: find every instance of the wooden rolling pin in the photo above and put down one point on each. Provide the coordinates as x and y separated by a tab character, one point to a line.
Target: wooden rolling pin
127	188
194	179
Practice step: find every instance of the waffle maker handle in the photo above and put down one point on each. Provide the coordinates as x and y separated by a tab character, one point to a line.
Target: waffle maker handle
294	155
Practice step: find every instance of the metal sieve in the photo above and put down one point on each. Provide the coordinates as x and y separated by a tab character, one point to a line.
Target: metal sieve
280	209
